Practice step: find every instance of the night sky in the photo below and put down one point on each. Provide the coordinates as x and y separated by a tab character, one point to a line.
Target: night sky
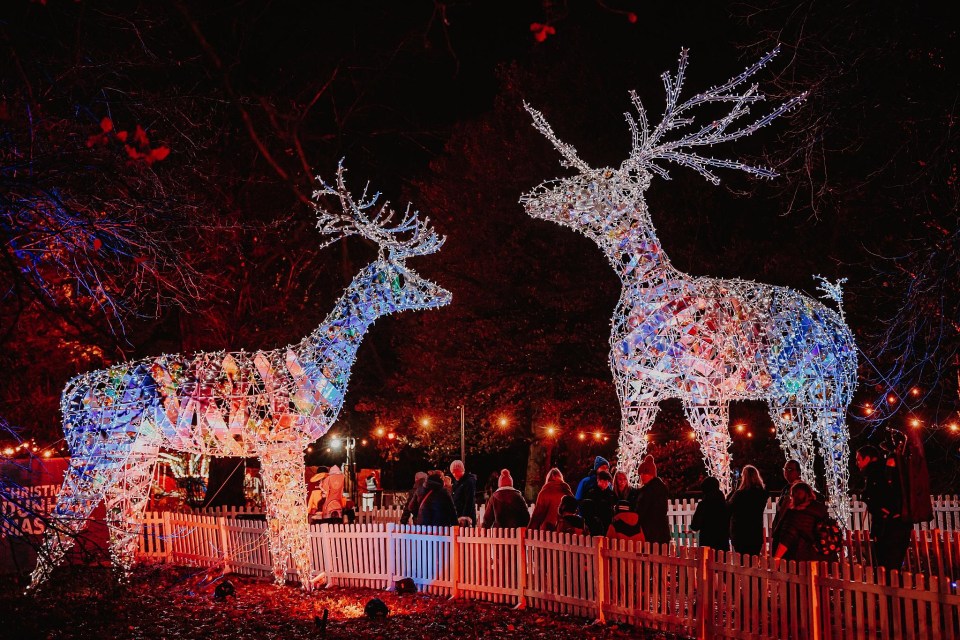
424	99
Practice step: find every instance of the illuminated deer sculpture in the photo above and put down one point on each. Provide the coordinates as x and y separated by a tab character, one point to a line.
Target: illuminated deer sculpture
269	404
704	340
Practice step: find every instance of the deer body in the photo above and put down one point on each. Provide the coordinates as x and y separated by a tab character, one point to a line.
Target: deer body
267	404
706	341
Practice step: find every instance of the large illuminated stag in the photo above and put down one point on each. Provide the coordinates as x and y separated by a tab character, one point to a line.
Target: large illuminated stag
269	404
704	340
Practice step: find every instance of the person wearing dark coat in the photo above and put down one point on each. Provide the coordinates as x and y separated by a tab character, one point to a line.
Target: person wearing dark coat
651	504
599	464
569	521
883	495
711	517
598	504
798	530
506	508
546	511
414	497
436	508
792	475
747	505
464	492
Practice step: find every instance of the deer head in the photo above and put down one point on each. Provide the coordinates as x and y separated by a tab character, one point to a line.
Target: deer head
388	280
596	199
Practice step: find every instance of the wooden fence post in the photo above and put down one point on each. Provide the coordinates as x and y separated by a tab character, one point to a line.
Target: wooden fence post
391	557
327	553
224	544
166	538
521	568
814	600
455	558
600	575
705	596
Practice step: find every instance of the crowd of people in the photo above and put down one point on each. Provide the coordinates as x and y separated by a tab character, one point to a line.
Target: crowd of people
605	504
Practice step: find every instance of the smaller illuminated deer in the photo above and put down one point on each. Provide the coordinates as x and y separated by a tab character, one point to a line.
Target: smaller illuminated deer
269	404
704	340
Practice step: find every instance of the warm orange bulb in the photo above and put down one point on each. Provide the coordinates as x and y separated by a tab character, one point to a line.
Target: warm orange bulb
503	423
551	431
891	399
425	422
692	435
915	391
380	431
740	428
953	427
391	435
914	423
597	435
581	436
868	411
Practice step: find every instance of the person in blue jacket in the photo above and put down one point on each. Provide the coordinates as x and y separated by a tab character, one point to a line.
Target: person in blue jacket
588	483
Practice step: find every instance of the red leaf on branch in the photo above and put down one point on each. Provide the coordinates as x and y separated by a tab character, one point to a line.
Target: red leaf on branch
97	243
122	136
140	137
158	154
632	17
132	152
106	125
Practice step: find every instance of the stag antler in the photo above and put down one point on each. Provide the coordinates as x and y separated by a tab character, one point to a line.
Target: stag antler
355	220
648	145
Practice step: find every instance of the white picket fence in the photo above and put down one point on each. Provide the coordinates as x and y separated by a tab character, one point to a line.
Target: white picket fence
675	588
946	515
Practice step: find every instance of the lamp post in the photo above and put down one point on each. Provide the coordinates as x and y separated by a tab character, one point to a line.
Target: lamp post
463	442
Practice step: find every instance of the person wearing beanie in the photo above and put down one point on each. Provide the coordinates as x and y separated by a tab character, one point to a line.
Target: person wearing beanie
546	511
414	497
625	524
712	517
464	492
568	521
651	504
599	464
436	508
506	508
598	503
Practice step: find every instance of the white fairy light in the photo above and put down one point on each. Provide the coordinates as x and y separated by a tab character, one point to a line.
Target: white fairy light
706	341
269	404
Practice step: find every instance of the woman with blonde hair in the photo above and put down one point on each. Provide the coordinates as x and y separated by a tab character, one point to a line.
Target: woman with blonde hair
546	513
747	504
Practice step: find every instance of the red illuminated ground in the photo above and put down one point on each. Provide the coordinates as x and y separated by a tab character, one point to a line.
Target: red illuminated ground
165	602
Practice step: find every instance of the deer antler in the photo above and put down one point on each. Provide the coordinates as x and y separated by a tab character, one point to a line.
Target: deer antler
356	220
648	145
569	154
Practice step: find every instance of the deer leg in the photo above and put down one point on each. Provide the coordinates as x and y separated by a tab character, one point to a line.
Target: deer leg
831	430
636	421
285	497
710	422
795	432
84	484
126	501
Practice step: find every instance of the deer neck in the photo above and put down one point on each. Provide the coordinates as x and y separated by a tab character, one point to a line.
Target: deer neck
328	353
631	246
